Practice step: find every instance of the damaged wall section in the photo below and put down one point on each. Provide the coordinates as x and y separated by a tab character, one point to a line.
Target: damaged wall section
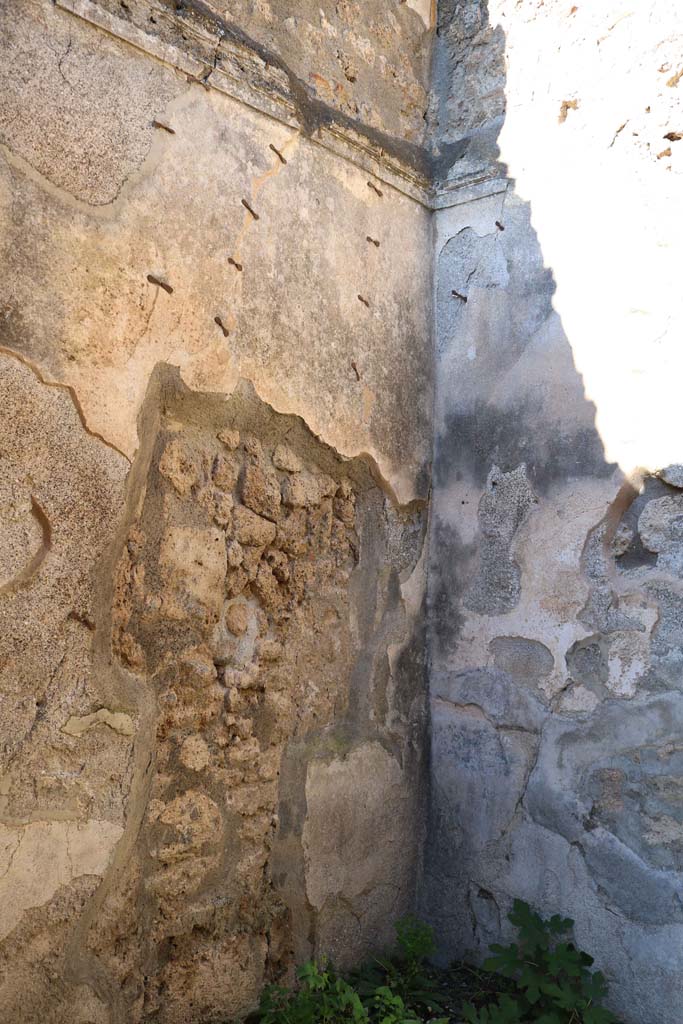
212	653
555	614
256	599
556	635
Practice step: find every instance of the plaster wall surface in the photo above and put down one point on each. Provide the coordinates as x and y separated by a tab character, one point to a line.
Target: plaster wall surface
216	437
275	277
555	604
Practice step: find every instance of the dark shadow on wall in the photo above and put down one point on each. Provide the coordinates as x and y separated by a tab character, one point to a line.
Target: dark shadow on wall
508	392
528	790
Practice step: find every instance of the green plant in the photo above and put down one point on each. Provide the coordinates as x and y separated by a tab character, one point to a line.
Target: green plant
389	1008
321	998
406	972
389	991
551	979
415	940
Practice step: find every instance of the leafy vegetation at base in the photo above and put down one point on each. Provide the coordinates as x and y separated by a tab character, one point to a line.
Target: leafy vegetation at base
393	990
540	979
552	982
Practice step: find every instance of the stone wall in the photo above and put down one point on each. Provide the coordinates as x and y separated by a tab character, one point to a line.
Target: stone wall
556	643
230	235
216	432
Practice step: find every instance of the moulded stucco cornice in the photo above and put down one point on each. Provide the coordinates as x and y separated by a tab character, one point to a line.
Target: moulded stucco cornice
240	71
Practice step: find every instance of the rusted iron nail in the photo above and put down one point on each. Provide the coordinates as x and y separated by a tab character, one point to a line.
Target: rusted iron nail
355	368
463	298
278	154
373	241
217	320
234	263
160	124
364	301
374	188
160	284
246	206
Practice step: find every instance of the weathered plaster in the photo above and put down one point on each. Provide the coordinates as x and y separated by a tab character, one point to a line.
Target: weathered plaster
79	302
555	635
40	857
170	540
358	885
221	279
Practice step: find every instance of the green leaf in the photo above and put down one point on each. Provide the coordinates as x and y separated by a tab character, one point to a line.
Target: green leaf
505	961
558	924
473	1016
415	939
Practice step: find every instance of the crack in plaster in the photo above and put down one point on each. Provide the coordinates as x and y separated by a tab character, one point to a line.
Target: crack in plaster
410	164
477	711
39	373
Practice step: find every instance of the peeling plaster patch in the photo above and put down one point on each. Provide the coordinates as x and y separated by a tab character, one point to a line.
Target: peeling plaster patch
661	530
468	264
38	858
503	508
527	661
629	653
257	598
351	802
628	662
485	737
602	783
116	720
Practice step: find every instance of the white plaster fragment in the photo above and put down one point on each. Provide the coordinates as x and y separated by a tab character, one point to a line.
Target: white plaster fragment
116	720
